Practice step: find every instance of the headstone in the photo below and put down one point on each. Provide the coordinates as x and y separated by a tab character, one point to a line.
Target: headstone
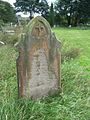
38	64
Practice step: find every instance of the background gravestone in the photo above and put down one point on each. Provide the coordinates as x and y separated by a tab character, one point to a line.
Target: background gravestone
38	64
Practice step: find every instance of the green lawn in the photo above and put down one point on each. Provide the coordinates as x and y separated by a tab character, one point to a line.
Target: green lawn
74	101
77	38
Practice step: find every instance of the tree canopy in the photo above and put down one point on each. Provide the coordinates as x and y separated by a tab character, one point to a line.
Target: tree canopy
32	6
74	11
7	13
64	12
51	15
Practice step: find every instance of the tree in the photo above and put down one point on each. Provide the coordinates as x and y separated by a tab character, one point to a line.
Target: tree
84	10
32	6
7	13
51	15
44	8
73	10
65	8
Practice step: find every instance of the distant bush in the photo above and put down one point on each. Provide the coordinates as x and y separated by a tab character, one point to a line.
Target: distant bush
72	53
9	39
9	34
1	23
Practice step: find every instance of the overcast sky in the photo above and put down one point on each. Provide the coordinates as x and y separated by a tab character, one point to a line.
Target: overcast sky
13	1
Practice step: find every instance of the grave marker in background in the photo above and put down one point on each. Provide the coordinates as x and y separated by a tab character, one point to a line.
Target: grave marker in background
38	64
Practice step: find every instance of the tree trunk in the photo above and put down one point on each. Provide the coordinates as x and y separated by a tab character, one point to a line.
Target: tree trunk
69	20
31	14
76	21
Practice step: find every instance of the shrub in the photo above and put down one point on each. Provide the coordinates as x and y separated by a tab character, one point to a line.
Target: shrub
9	39
1	23
70	54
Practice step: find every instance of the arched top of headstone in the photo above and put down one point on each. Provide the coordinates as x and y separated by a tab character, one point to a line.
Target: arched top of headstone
38	29
38	21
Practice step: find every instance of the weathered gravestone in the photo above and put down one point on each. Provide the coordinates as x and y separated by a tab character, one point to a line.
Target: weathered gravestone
38	64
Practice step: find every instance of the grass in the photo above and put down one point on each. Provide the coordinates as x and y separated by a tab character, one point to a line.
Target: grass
77	38
72	104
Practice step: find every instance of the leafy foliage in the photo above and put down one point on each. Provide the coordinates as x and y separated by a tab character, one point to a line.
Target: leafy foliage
74	11
7	13
51	15
9	39
72	53
32	6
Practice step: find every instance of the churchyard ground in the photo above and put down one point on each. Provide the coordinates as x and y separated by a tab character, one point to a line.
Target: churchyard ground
74	101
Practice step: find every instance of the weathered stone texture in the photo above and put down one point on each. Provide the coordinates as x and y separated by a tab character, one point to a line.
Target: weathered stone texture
38	64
